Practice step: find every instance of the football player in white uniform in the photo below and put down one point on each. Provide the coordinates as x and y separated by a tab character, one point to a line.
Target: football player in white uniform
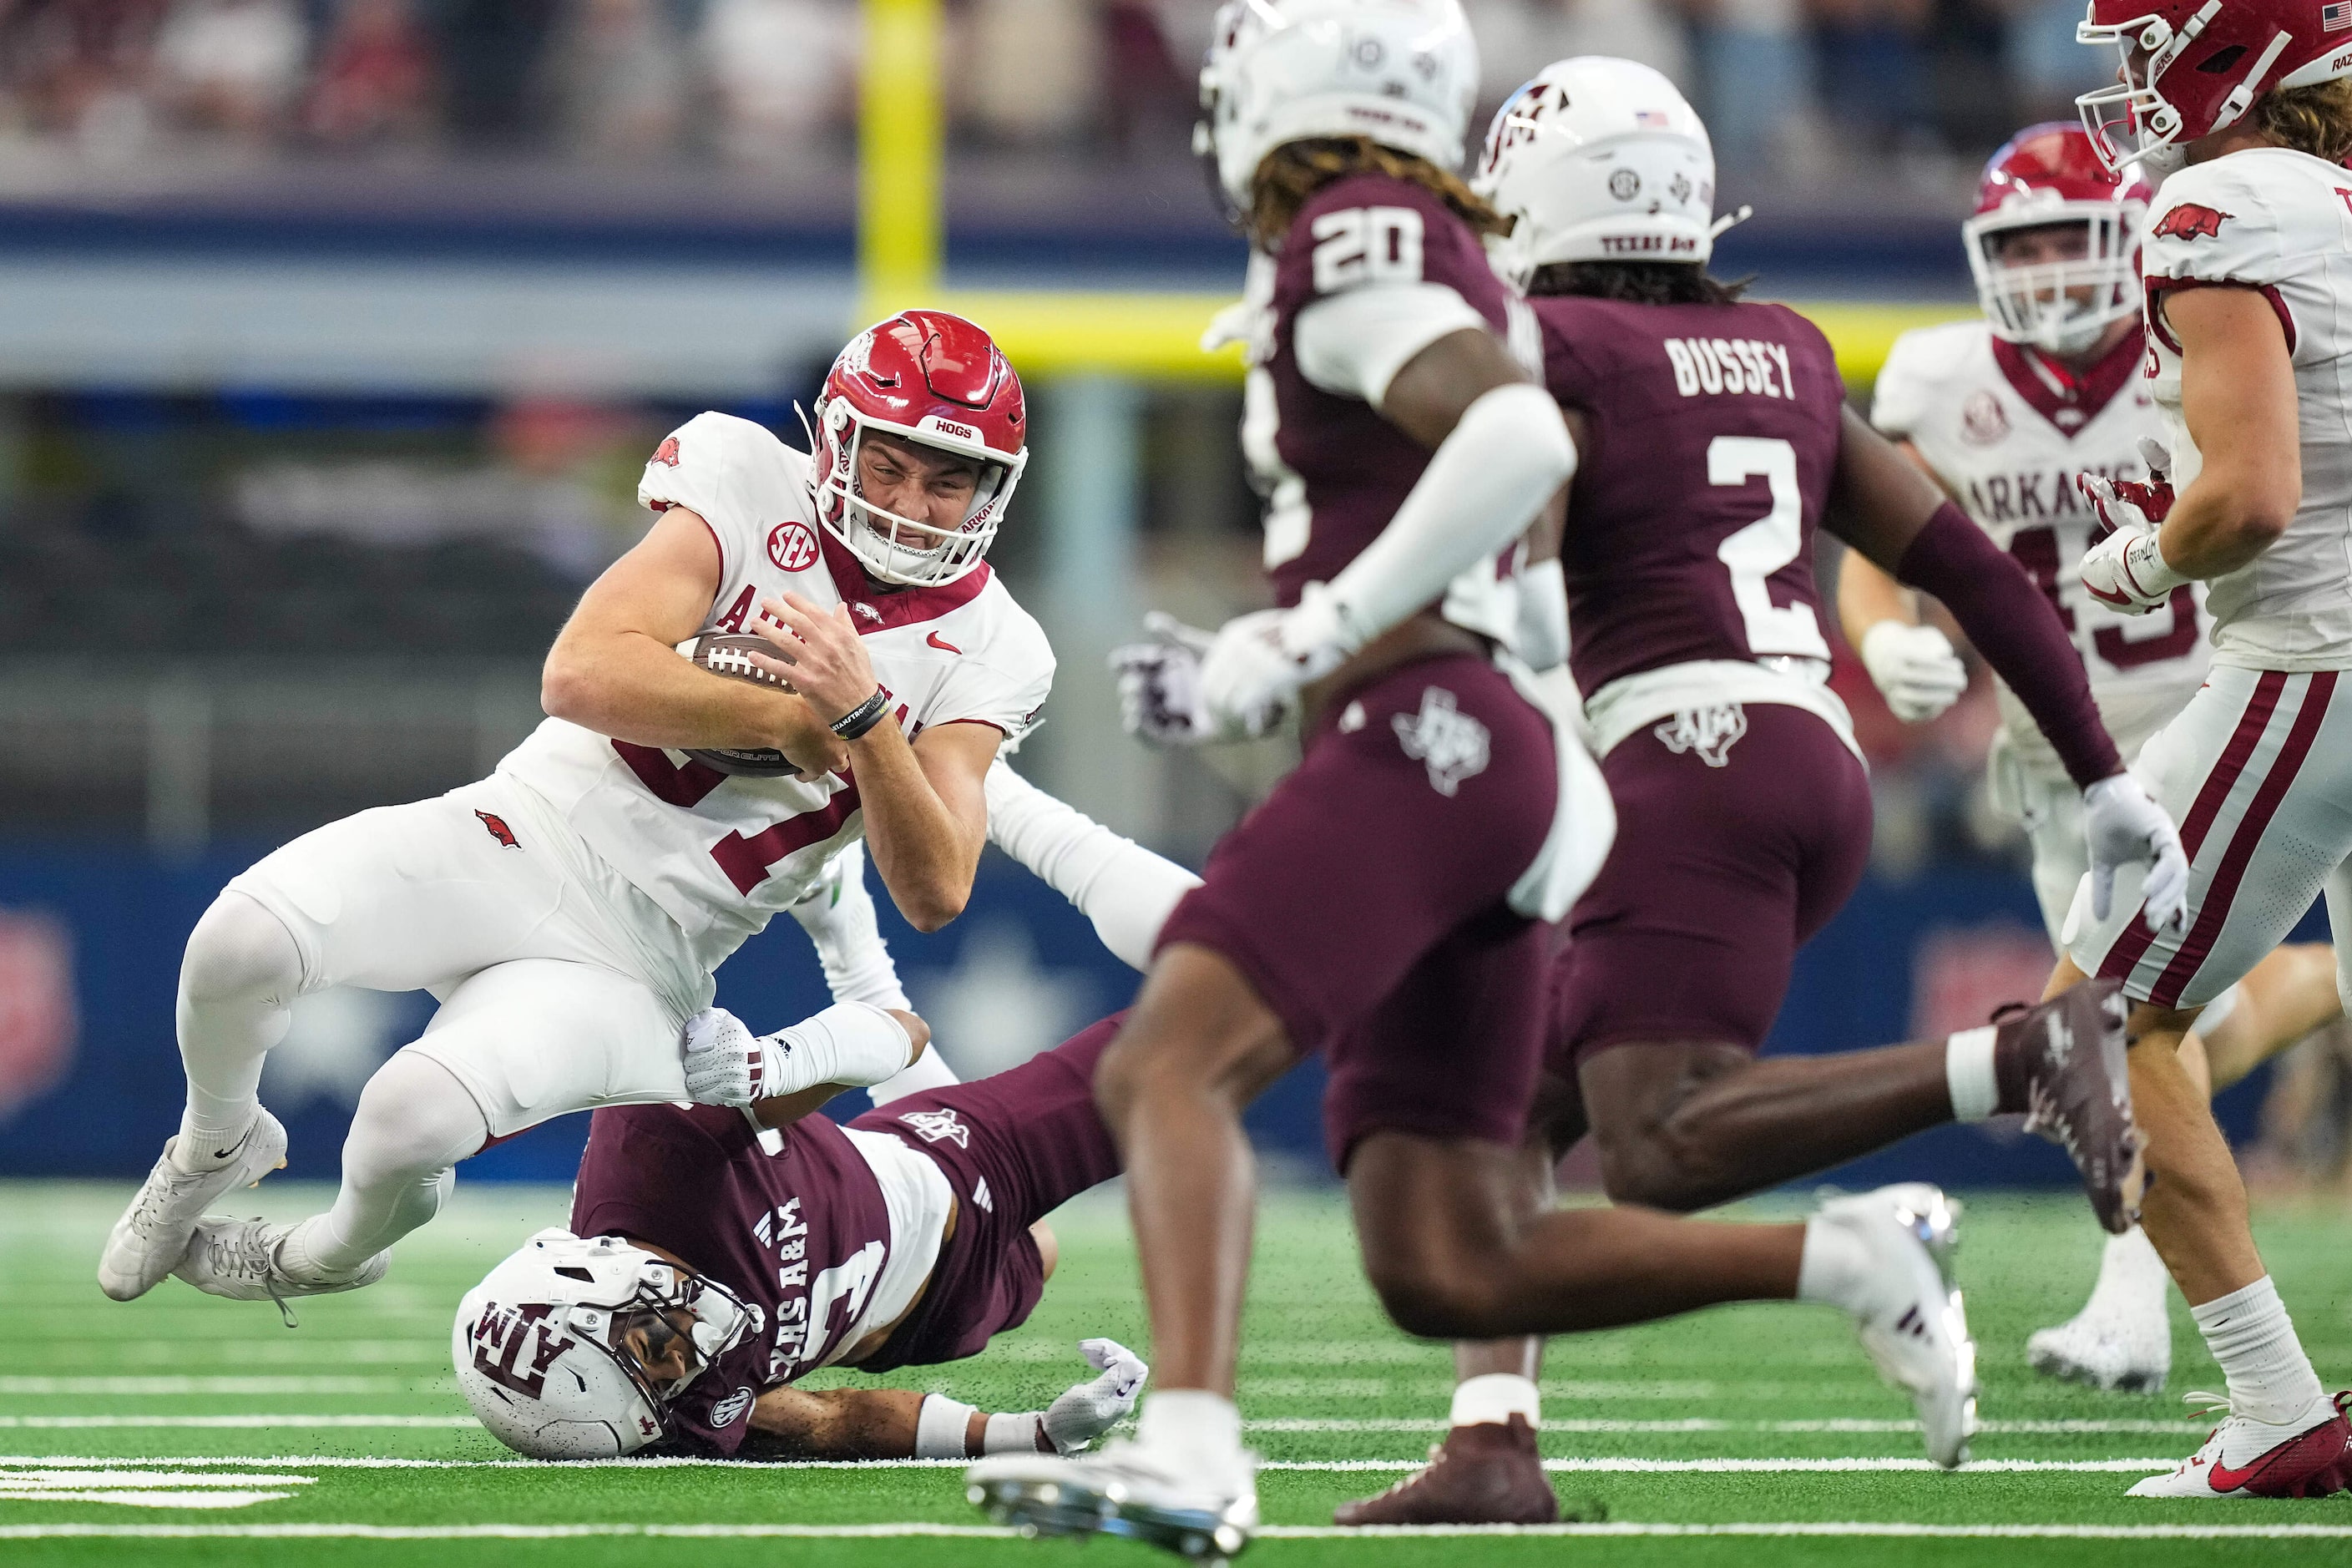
2003	413
569	910
2247	260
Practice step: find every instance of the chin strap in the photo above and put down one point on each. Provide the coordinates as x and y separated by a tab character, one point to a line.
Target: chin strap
1729	221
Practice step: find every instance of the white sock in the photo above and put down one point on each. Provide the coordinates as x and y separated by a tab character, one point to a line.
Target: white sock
237	984
1834	1270
2132	1278
1193	1431
1968	1074
1493	1398
2270	1377
1126	889
848	938
414	1122
924	1074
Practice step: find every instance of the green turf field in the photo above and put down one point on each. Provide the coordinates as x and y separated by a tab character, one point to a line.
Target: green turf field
181	1430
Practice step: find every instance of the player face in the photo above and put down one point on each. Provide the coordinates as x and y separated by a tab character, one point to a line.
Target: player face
662	1345
921	484
2043	245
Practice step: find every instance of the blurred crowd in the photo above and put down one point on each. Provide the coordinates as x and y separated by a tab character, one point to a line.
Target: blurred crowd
1798	86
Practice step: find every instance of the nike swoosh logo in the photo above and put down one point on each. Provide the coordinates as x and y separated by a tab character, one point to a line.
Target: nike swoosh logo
940	643
2222	1478
225	1153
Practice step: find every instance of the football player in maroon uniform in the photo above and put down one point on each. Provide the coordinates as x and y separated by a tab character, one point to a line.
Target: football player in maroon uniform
1383	904
1714	438
711	1263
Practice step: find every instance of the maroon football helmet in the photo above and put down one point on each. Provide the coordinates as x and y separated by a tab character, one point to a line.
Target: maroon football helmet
2194	67
939	380
2049	176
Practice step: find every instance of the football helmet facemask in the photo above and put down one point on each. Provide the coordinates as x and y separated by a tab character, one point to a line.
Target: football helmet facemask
937	380
539	1352
1598	160
1402	73
2047	175
2194	67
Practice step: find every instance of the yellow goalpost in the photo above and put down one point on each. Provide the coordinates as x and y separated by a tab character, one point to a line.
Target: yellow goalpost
1143	335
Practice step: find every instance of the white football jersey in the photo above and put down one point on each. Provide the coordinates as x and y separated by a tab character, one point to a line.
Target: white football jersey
720	854
2005	433
2281	222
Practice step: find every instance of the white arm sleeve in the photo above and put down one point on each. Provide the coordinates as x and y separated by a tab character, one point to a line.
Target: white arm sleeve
1353	344
1485	483
1543	614
1126	889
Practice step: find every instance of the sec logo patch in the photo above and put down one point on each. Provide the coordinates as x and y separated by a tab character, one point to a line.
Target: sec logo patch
792	546
1982	421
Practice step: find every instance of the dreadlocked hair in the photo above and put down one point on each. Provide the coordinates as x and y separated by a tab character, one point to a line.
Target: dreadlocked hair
2317	120
1296	170
1637	282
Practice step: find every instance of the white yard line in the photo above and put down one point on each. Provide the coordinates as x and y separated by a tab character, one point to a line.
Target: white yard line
1703	1424
75	1423
1593	1466
1892	1529
170	1385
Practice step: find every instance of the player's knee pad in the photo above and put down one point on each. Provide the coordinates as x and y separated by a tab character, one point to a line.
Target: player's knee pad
412	1120
240	951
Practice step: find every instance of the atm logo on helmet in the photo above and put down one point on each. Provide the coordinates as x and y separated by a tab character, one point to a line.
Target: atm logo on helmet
2189	221
505	1338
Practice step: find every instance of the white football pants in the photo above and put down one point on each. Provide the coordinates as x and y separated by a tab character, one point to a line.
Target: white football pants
2257	773
562	988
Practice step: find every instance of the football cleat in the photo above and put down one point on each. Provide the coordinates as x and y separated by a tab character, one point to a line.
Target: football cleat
2061	1063
2120	1349
238	1260
1482	1474
2307	1458
147	1242
1120	1490
1910	1317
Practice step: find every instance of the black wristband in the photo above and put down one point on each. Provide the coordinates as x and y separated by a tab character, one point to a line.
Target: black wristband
863	717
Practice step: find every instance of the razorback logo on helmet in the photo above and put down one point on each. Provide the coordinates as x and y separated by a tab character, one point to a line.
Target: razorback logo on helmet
667	453
501	1337
2191	220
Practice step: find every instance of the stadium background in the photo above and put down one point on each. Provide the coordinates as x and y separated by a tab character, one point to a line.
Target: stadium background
332	333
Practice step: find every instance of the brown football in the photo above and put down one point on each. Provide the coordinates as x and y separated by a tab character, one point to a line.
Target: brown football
729	654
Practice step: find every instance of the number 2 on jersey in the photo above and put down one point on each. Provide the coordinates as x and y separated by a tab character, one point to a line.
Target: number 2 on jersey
1754	552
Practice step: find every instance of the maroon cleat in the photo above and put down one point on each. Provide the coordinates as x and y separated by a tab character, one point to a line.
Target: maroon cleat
2061	1064
2296	1461
1485	1474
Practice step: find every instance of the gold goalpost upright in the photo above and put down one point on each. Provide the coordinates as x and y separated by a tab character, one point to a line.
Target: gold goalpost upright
1140	334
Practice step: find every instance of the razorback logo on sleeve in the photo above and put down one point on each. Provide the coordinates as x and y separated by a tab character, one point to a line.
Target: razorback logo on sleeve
667	453
2189	221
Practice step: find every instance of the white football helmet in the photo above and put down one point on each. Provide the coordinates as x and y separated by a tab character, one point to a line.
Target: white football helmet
1598	160
1403	73
537	1350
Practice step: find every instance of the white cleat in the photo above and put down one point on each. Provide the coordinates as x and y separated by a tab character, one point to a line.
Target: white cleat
238	1260
2106	1346
149	1241
2309	1457
1120	1490
1913	1324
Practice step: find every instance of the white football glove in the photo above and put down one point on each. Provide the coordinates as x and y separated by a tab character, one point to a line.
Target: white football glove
1080	1416
1258	661
1913	668
2124	568
1159	686
851	1043
2123	826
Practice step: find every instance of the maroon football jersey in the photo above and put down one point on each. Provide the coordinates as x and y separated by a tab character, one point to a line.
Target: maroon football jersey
1331	470
802	1235
1711	437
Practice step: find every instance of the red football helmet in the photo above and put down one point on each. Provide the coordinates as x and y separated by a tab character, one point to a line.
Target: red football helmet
2046	176
939	380
2194	67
